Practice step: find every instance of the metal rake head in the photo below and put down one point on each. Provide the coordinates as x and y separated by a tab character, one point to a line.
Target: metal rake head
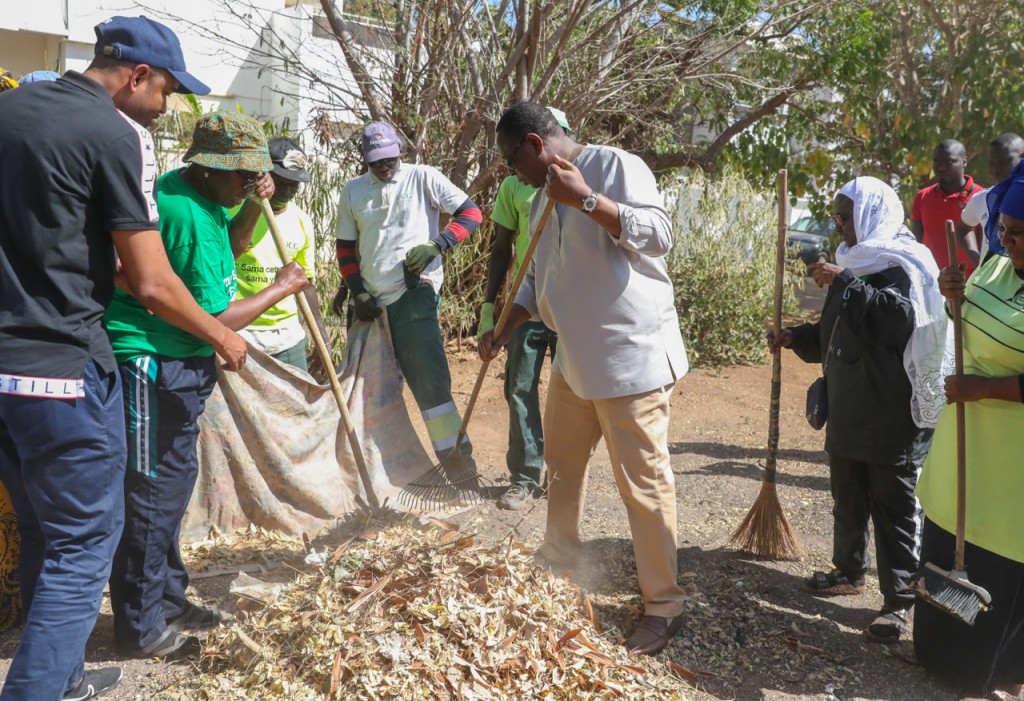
451	484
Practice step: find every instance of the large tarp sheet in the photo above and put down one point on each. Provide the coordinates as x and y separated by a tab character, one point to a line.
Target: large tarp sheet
273	450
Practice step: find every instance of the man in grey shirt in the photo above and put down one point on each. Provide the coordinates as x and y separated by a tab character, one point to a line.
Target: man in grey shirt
599	279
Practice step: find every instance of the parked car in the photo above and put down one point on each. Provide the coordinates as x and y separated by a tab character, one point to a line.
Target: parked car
808	238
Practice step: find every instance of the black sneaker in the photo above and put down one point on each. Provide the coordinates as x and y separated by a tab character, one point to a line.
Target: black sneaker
94	683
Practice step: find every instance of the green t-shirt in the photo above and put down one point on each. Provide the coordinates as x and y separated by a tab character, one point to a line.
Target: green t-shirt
258	265
195	234
512	211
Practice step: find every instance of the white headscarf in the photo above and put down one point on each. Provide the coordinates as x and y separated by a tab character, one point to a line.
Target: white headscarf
884	242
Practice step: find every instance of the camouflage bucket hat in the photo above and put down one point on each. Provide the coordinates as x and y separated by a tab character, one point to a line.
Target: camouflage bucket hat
229	141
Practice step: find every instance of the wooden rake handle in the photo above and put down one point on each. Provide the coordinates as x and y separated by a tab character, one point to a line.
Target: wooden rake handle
325	357
499	326
961	419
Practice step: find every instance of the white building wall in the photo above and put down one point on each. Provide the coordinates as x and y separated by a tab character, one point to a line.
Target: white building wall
40	16
245	59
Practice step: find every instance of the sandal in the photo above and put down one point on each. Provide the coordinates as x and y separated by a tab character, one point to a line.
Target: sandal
888	626
833	583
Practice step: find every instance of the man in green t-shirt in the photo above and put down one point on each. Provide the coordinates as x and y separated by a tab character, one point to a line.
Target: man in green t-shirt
278	331
168	374
528	345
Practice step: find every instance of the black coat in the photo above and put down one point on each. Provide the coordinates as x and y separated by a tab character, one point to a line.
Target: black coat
868	389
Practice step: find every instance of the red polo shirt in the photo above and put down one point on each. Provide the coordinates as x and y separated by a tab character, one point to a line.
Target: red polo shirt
932	207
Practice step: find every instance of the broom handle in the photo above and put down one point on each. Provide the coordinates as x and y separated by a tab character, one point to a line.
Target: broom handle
961	446
782	193
325	357
506	309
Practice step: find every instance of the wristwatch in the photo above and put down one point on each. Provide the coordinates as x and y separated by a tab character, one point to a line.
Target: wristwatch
590	202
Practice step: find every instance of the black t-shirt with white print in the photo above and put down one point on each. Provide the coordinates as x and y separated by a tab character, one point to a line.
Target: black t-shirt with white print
72	170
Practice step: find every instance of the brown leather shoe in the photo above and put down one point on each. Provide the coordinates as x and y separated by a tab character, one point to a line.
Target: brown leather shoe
652	634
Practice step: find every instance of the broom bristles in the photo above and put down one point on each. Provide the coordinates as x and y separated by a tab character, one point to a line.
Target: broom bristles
951	592
765	531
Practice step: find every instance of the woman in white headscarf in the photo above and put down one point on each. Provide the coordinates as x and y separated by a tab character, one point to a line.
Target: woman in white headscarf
881	340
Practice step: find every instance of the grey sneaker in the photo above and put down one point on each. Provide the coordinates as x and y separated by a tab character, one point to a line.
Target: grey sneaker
196	618
514	498
171	645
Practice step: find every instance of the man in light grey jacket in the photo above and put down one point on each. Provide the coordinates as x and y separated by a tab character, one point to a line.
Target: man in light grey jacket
600	280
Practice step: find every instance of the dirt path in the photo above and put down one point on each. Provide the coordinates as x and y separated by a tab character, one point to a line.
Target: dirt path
751	632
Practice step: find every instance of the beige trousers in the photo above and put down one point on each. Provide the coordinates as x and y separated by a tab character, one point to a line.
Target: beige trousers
635	429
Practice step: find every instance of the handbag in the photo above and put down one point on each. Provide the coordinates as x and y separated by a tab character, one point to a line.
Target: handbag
816	407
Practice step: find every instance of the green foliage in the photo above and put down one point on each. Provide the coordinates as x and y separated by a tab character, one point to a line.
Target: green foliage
723	267
896	77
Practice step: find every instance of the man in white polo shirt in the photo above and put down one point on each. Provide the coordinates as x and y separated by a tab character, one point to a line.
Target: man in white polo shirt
389	250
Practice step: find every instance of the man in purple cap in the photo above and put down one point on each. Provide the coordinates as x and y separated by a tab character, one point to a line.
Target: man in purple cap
389	250
79	203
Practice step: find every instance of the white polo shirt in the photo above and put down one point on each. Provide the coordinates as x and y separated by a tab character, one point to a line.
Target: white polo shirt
387	219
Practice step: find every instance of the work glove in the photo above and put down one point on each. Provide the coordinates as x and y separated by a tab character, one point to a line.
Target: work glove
366	307
419	257
486	319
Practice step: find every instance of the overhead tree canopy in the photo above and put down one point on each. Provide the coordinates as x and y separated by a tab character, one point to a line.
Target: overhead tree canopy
827	89
909	74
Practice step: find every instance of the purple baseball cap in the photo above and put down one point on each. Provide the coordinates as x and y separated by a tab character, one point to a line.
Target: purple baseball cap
141	40
380	141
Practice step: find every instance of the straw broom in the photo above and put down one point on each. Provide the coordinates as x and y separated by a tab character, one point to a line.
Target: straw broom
951	591
765	531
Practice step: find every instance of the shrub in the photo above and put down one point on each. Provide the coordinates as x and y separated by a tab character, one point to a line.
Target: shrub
723	267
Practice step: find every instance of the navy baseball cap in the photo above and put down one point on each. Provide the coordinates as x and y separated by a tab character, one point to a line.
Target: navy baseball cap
141	40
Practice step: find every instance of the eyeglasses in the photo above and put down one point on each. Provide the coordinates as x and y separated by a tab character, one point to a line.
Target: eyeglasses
383	163
249	179
840	218
510	159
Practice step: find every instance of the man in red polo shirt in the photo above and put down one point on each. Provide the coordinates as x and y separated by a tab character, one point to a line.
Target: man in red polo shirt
944	200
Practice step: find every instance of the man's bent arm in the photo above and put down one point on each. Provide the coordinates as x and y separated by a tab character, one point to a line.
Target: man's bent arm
154	283
242	312
242	226
464	220
501	255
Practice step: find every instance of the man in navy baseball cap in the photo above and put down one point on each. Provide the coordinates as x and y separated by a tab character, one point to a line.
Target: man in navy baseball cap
140	40
84	188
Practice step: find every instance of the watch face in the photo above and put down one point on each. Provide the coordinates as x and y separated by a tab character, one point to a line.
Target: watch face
590	202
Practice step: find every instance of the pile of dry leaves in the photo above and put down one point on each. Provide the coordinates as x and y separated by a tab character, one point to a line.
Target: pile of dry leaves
406	611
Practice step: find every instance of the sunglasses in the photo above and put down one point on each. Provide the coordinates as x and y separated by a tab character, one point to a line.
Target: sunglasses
383	163
249	179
